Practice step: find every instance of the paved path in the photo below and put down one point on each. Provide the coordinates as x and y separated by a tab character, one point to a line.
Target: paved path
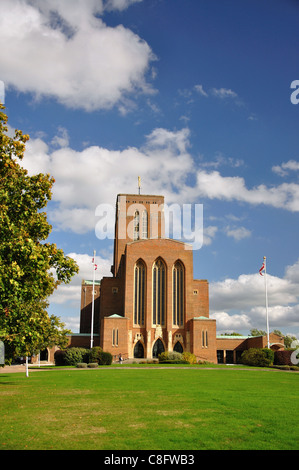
17	368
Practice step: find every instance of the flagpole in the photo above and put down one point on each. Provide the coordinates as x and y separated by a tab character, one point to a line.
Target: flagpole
92	305
266	295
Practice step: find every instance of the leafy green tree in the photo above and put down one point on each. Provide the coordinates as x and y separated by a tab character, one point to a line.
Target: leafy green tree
256	332
288	339
30	268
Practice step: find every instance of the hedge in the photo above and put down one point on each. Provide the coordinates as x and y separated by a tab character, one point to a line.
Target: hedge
257	357
74	356
172	357
59	357
94	354
104	358
283	358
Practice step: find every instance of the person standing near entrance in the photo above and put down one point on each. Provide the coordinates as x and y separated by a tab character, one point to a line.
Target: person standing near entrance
120	358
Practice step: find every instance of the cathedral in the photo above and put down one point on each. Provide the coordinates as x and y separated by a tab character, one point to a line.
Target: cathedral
152	303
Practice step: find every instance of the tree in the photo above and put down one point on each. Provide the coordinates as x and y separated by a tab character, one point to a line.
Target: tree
288	339
256	332
30	268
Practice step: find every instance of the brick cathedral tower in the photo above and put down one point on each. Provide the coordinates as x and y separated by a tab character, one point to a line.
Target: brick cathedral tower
151	303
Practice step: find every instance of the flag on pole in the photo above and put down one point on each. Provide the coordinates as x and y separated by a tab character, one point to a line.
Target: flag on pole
262	269
95	265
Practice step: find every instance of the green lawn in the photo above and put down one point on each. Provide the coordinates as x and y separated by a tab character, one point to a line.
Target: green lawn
153	408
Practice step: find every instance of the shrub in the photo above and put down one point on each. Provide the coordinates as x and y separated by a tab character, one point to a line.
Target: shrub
94	354
93	365
189	357
81	365
105	358
75	355
255	357
284	367
172	357
269	354
59	357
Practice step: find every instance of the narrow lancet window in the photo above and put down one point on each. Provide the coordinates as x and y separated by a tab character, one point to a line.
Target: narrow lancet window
139	293
159	292
136	226
144	225
178	294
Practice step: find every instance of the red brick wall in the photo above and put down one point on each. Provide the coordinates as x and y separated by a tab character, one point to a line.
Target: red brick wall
203	339
86	308
149	250
120	343
112	296
200	298
126	205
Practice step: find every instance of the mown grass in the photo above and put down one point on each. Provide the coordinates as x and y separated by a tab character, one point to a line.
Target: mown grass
156	409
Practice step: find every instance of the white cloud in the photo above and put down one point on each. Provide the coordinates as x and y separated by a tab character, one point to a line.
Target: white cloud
200	90
292	272
233	188
223	93
61	139
230	323
248	291
94	74
209	233
119	4
72	292
240	303
284	168
87	178
72	323
238	233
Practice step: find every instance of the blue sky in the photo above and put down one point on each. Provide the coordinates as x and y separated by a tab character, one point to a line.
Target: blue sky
192	95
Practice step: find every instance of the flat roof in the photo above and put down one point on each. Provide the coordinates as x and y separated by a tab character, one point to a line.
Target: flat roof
234	337
89	283
140	195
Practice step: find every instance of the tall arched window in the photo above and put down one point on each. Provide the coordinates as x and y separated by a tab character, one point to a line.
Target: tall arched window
136	226
159	292
144	225
178	294
139	293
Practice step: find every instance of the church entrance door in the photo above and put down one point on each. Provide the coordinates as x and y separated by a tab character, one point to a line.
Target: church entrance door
138	350
178	347
158	348
43	355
